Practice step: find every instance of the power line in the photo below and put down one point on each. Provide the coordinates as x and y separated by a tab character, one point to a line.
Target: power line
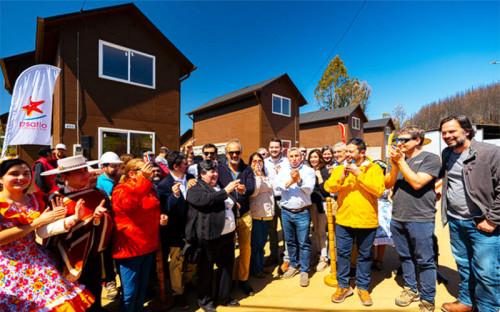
338	42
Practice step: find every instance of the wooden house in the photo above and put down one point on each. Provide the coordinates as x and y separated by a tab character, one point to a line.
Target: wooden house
119	86
321	127
254	115
376	134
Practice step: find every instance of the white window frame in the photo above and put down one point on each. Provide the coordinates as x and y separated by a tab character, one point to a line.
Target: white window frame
356	123
388	130
101	75
281	100
100	131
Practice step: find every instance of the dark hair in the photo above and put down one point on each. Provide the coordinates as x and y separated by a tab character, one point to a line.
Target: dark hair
327	147
262	158
175	158
209	145
44	151
360	144
206	165
155	165
164	149
322	162
6	165
414	131
276	140
464	123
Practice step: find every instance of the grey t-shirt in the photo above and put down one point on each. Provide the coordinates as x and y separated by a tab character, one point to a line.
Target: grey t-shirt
410	205
459	203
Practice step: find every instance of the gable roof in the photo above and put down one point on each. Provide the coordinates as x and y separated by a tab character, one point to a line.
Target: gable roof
377	123
47	37
243	92
323	114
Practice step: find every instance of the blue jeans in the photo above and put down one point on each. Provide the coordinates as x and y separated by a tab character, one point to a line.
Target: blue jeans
296	229
364	240
477	254
134	275
413	242
260	230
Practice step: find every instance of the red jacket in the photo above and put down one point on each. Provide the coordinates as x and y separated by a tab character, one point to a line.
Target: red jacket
136	211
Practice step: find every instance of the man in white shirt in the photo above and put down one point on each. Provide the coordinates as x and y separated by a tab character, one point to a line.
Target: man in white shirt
273	164
296	183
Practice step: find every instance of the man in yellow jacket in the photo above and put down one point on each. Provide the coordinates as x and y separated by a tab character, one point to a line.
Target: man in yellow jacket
359	183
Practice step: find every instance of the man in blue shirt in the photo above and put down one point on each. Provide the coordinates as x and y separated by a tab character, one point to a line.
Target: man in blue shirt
296	183
110	163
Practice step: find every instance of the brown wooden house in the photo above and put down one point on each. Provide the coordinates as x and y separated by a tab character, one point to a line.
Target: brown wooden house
254	115
119	84
377	133
321	127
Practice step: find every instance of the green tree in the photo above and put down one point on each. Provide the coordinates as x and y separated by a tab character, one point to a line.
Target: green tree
336	89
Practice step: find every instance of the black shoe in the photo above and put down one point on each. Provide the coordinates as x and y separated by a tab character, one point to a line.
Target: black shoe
230	303
246	288
209	308
181	302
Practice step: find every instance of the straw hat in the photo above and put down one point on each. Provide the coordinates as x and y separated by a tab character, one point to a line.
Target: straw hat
69	164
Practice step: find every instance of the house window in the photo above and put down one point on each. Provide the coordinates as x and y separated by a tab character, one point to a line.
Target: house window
126	65
388	130
122	141
281	105
356	123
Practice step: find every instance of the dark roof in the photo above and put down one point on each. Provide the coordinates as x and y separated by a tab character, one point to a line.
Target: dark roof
47	37
186	136
323	114
224	99
376	123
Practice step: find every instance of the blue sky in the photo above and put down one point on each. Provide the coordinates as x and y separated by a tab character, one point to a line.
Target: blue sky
410	53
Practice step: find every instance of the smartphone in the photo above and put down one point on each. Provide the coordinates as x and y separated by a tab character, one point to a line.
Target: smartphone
148	158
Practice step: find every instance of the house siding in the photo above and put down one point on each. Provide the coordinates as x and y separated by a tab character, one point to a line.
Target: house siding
238	120
274	125
317	135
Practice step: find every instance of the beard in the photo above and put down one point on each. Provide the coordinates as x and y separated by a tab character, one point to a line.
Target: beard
234	162
458	142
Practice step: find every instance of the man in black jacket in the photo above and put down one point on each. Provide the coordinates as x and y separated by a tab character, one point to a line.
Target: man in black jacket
172	193
231	169
471	206
210	227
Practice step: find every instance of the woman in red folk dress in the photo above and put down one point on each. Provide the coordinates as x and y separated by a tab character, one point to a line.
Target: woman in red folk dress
29	280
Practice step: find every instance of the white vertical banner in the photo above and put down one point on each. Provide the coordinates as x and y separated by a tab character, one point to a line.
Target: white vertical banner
30	115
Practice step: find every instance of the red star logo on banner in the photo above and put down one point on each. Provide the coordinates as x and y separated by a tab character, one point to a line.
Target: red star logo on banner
33	107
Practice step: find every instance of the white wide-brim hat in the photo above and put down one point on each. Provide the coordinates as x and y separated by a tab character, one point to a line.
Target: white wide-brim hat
69	164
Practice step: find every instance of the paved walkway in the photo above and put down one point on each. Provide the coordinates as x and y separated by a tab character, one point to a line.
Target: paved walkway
274	294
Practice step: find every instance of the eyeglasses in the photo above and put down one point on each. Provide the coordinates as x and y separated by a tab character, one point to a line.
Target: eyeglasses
210	153
137	169
403	140
234	152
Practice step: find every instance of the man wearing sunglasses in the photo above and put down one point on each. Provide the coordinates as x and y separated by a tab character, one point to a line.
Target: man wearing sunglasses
208	151
413	174
233	169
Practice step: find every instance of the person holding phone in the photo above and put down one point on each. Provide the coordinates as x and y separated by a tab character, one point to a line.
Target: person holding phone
230	170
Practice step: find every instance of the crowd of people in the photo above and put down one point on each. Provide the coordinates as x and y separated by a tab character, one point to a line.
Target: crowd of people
120	217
